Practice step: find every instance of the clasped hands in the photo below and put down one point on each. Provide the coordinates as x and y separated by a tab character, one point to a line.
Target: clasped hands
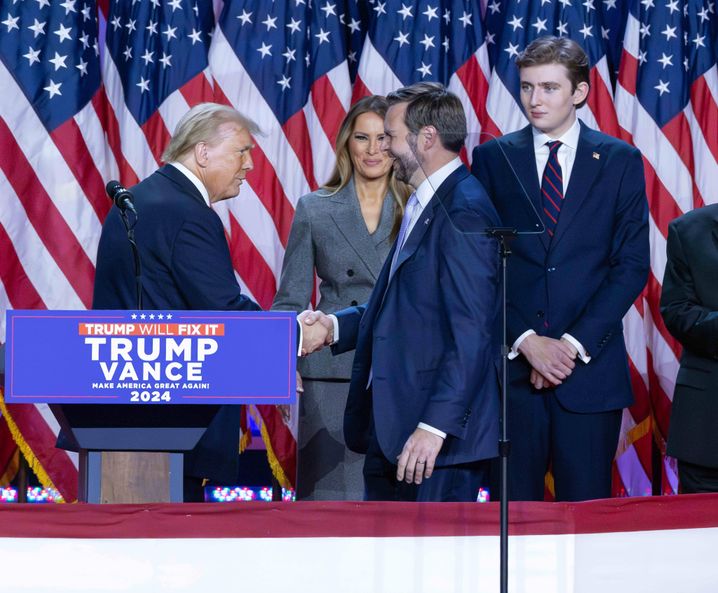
317	331
551	360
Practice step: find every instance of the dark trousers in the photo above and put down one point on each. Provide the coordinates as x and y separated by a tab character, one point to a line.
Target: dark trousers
578	448
453	483
697	478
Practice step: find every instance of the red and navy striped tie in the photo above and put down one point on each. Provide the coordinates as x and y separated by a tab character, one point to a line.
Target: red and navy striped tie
552	188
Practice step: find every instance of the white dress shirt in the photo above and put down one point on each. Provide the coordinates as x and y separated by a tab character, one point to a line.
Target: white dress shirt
566	157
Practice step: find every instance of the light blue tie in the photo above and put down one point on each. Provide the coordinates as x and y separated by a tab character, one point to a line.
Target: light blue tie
404	230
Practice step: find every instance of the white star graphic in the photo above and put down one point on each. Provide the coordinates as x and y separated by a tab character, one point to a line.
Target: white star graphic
151	28
512	50
85	40
11	22
293	26
647	3
53	88
445	44
380	8
265	50
405	12
284	82
562	29
144	86
69	6
662	87
425	70
354	26
131	25
669	32
427	42
323	36
37	28
447	16
116	24
329	9
143	316
32	55
160	316
169	315
605	32
269	22
466	19
704	15
642	57
166	60
494	7
147	57
175	4
127	53
699	41
195	36
402	38
516	23
665	60
586	31
430	12
134	316
540	25
152	315
609	4
246	17
289	55
645	30
82	67
58	61
589	6
672	6
170	33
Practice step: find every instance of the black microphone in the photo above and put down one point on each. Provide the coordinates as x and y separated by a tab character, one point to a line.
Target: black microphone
121	196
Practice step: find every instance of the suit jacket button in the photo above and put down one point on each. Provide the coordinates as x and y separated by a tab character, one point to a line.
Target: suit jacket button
350	272
539	314
354	303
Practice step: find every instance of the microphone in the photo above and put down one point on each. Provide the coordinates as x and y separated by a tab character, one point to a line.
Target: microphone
121	196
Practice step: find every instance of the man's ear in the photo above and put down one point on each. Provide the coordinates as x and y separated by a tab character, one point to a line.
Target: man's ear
429	136
200	154
581	92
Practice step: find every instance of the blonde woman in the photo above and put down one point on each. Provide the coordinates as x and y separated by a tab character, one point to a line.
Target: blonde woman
343	232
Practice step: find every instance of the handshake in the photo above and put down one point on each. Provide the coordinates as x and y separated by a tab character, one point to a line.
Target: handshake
317	331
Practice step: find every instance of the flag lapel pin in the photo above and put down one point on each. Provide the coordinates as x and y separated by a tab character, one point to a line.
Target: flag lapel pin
596	156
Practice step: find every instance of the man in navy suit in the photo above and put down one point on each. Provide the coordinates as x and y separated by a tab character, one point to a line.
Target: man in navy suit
570	286
423	399
185	258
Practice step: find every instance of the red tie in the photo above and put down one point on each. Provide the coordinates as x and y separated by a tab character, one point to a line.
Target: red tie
552	188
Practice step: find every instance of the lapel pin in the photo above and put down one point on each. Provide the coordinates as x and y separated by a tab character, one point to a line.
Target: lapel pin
427	221
596	156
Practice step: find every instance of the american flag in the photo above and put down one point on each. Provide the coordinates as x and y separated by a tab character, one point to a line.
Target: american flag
94	96
667	105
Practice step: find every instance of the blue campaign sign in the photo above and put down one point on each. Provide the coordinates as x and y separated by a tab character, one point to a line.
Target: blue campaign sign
171	357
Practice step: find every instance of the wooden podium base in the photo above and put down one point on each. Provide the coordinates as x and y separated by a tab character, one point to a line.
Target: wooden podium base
116	477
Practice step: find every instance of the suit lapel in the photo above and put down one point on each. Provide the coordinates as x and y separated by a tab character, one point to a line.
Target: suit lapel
346	214
520	152
423	222
586	167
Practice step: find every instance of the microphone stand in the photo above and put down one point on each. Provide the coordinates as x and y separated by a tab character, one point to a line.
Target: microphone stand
130	228
504	235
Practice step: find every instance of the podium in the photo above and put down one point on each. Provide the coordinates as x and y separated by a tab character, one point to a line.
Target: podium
131	454
133	391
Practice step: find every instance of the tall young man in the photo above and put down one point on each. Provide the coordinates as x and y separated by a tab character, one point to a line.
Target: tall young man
569	286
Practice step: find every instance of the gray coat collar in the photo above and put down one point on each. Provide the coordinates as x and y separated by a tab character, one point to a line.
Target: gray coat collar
346	214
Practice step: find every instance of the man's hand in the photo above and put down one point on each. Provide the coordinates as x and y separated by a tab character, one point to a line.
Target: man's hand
538	380
285	409
552	359
317	331
418	456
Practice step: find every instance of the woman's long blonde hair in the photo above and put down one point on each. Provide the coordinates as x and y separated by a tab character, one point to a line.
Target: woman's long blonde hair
344	169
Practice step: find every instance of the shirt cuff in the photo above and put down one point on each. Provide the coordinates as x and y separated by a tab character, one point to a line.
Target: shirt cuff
432	430
301	339
335	321
514	352
582	354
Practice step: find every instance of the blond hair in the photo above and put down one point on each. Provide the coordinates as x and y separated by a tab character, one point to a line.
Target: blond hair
344	170
200	124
